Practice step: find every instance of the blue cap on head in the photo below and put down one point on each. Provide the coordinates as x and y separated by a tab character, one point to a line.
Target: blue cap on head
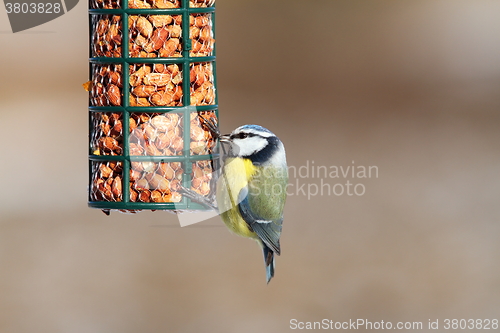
255	128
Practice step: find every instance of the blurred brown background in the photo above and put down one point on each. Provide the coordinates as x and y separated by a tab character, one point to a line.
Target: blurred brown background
412	87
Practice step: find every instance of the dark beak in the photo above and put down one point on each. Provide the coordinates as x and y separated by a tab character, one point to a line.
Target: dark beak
225	138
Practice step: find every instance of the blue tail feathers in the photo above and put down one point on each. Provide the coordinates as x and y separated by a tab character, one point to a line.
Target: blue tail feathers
268	261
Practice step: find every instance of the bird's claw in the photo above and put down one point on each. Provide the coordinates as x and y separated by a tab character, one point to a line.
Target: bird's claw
212	126
196	197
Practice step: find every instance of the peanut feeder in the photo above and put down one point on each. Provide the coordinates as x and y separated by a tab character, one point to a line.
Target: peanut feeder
152	74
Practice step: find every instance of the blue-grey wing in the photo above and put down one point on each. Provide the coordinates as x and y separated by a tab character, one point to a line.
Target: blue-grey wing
261	205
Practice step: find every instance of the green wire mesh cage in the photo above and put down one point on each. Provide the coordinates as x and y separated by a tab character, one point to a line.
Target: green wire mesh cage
152	80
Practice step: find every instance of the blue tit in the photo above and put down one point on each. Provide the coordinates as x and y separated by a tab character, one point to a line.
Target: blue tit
251	190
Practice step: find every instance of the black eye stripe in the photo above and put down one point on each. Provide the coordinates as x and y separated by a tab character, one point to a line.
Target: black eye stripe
243	135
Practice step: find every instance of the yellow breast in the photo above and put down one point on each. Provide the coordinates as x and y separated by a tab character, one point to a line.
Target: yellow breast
236	173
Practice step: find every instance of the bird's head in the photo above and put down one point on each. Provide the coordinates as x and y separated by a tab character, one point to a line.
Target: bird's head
255	143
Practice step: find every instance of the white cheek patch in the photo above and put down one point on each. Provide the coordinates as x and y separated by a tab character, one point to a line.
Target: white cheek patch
249	146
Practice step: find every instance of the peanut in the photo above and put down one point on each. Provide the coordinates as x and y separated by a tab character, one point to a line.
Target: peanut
133	195
143	90
156	79
138	4
138	101
141	184
105	171
169	47
165	4
164	123
144	27
159	21
113	94
116	187
145	196
174	31
137	76
156	196
157	182
158	39
151	150
162	98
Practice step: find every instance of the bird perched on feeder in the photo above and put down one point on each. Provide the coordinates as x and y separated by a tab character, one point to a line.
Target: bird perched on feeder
251	190
251	187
